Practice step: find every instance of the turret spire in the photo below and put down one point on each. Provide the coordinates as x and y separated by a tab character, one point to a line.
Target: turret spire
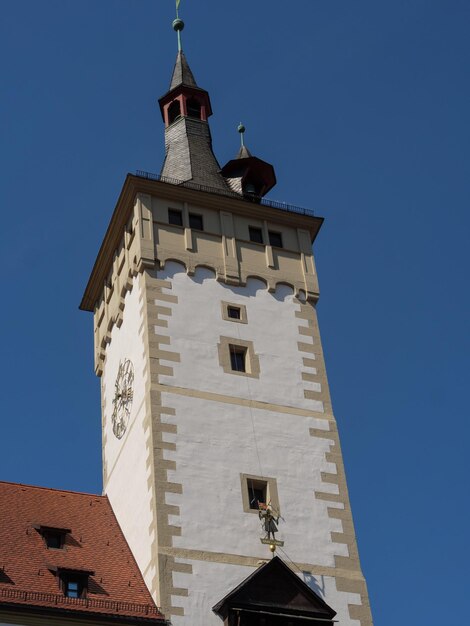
185	110
247	175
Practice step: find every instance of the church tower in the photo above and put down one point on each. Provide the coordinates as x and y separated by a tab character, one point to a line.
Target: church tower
219	441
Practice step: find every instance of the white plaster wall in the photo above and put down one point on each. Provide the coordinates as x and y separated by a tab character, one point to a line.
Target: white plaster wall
125	460
196	325
215	443
210	582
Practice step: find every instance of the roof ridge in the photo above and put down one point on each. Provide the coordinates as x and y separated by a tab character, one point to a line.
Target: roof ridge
54	489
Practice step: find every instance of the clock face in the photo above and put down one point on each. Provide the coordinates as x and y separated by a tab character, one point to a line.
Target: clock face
123	394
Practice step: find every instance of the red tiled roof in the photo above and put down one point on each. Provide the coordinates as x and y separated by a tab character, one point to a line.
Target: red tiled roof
95	543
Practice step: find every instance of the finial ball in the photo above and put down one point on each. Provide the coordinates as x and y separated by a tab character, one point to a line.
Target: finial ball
272	547
241	128
178	24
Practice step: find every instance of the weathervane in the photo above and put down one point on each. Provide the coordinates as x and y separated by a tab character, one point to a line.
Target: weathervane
270	519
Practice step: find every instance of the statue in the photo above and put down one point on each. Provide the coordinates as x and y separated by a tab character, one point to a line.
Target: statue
269	519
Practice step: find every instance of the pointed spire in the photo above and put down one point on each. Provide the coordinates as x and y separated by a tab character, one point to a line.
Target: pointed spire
186	109
182	74
243	153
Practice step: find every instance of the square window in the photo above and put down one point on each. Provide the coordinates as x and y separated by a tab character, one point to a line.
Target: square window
195	221
175	217
234	312
257	493
275	239
238	358
256	234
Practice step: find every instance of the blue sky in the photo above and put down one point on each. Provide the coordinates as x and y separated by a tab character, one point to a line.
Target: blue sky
362	107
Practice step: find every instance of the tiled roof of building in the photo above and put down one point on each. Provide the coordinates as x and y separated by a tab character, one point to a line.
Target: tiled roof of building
95	543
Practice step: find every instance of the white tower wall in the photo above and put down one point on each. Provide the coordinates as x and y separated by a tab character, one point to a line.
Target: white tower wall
177	479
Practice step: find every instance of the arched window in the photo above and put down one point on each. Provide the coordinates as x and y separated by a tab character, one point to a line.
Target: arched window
174	111
193	108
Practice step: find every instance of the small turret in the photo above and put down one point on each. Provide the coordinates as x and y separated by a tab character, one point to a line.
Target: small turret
185	110
247	175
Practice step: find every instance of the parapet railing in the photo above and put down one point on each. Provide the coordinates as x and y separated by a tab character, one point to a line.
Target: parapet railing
290	208
52	600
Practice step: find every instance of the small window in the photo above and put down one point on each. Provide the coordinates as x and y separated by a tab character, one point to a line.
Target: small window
234	312
238	358
193	108
275	239
174	111
175	217
54	538
195	221
256	234
74	583
72	589
257	493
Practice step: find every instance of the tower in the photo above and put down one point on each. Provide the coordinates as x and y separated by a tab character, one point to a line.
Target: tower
215	401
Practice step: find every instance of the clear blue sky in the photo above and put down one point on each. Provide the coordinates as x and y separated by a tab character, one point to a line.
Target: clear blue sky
363	108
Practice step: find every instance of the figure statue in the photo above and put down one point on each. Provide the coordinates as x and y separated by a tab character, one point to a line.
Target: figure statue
270	520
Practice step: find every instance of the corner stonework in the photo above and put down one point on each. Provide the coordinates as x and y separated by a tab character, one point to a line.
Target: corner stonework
157	310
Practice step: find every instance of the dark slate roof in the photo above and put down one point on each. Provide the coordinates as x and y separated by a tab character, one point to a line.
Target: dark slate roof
189	154
182	74
275	587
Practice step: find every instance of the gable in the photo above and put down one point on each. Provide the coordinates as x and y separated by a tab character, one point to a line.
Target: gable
274	588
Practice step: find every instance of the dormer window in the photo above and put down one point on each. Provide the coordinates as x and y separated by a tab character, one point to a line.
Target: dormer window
72	589
74	583
54	538
193	108
174	111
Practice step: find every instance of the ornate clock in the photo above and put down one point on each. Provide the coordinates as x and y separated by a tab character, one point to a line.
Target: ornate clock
123	394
